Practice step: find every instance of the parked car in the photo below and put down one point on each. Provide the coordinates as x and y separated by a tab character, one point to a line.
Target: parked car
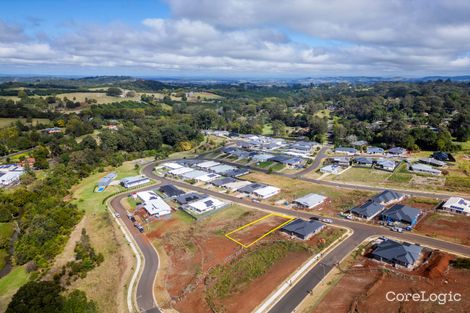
117	214
397	229
314	218
327	220
131	217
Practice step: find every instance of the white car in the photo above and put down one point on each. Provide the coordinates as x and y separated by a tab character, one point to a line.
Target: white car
117	214
327	220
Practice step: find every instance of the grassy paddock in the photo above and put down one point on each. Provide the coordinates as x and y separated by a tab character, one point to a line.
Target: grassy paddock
10	284
6	121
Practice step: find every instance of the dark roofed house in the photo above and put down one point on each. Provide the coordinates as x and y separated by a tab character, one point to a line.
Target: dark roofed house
362	161
401	213
374	150
189	197
303	229
403	254
441	156
171	191
251	187
368	210
388	197
236	173
229	150
223	181
280	158
397	151
343	161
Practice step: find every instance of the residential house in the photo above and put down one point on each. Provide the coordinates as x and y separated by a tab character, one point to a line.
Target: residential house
331	169
262	157
310	201
303	229
342	161
266	192
388	197
249	189
205	205
222	169
363	162
280	158
397	151
207	164
386	165
105	181
237	185
441	156
154	204
401	213
222	182
171	191
457	205
432	161
359	143
130	182
208	177
237	172
194	174
180	171
395	253
368	210
375	150
189	197
424	169
346	150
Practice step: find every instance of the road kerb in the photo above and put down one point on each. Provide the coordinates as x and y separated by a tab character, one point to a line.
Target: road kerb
295	277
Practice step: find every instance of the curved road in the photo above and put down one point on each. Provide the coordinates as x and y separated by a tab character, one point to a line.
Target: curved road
297	293
144	293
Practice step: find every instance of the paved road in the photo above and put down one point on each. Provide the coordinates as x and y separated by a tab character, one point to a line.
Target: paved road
415	193
144	292
316	162
361	231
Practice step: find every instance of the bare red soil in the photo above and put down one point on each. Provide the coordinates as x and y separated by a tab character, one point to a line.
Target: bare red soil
251	233
364	287
451	227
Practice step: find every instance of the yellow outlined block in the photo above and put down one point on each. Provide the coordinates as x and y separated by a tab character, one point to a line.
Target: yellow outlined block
289	219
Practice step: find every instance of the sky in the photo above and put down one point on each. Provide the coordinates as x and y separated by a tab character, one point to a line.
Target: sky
235	38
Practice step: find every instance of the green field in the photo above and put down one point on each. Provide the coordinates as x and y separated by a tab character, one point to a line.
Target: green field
360	174
5	121
10	284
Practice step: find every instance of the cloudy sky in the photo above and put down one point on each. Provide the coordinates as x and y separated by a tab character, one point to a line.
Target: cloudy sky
238	38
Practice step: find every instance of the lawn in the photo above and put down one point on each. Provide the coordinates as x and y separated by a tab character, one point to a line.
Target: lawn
265	164
10	284
278	167
102	284
267	129
6	121
363	175
6	230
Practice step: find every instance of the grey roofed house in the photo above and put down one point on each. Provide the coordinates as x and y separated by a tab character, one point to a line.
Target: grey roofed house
303	229
388	165
363	161
193	174
397	151
404	254
250	188
426	169
346	161
190	197
368	210
311	200
294	161
262	157
346	150
432	161
237	172
280	158
223	181
359	143
401	213
222	168
374	150
387	197
171	191
228	150
188	162
241	154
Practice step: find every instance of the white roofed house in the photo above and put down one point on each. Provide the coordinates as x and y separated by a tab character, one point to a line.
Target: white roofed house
310	201
208	177
10	174
205	205
425	169
134	181
457	205
207	164
180	171
266	192
153	203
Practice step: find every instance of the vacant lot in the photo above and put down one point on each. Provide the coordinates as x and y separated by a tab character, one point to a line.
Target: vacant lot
204	271
291	189
364	286
253	231
446	226
362	175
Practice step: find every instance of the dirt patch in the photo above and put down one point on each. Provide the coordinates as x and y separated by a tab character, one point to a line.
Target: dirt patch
364	287
255	231
446	226
259	289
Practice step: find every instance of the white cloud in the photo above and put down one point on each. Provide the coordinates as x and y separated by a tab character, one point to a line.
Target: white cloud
295	37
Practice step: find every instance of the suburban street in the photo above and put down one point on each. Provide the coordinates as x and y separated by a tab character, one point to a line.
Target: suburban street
297	293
